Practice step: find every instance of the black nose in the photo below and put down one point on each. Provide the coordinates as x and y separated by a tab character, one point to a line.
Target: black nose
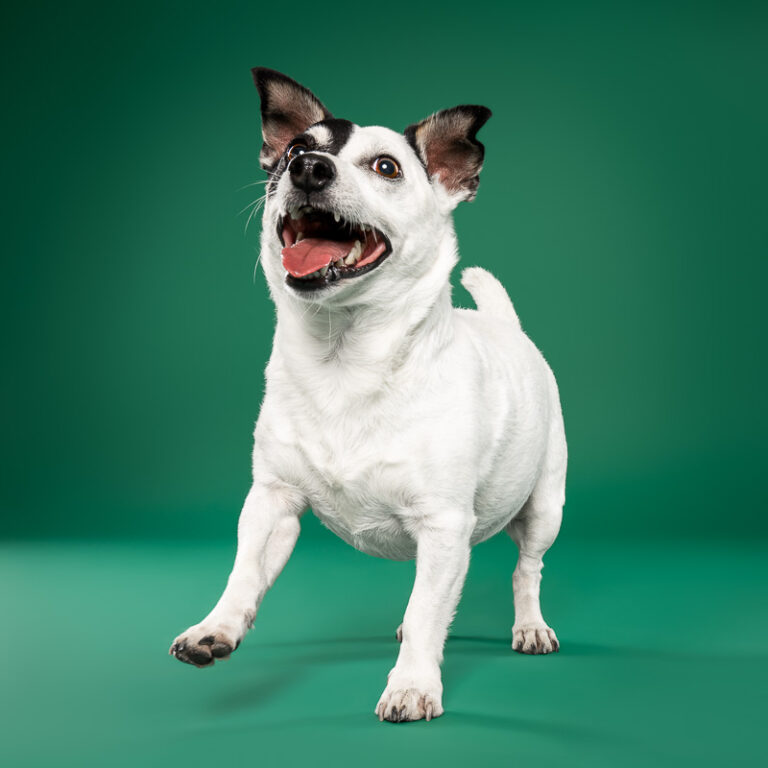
311	172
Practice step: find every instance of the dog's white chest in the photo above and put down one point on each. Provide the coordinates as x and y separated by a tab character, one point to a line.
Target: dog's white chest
354	471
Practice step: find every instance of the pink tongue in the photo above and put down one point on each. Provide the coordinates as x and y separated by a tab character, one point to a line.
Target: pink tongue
312	254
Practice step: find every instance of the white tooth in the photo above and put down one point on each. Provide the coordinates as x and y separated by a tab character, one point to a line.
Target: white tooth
336	217
299	237
354	254
339	263
307	209
295	215
324	271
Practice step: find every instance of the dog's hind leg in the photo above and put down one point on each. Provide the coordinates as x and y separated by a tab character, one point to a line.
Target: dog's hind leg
534	530
267	533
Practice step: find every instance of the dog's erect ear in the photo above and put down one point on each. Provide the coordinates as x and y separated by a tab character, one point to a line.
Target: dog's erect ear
447	146
287	109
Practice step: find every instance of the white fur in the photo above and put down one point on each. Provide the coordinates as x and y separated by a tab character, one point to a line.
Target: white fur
411	428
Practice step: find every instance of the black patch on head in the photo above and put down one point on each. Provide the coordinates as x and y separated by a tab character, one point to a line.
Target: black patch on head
340	131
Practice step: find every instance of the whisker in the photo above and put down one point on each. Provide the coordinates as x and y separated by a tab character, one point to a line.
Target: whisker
256	266
254	183
243	210
306	309
254	210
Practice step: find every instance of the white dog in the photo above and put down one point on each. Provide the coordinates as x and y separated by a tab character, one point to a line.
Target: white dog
411	428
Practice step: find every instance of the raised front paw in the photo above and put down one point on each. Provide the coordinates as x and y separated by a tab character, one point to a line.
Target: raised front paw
404	700
534	639
202	644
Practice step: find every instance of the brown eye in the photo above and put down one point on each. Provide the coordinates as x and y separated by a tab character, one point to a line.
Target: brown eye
295	150
386	166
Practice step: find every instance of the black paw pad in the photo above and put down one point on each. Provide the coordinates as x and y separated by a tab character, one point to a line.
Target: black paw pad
220	650
199	656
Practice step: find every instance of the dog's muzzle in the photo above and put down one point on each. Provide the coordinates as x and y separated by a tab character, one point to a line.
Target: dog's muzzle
322	248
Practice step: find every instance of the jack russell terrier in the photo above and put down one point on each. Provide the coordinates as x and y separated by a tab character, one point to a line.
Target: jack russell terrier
411	428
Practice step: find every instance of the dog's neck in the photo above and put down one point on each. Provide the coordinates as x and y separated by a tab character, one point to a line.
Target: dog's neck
373	337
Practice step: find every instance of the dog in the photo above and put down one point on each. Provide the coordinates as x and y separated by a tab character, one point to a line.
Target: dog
411	428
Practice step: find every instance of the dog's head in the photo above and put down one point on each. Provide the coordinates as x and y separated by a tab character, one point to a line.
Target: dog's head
350	207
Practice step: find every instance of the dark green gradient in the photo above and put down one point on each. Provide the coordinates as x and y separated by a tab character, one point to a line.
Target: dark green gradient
622	203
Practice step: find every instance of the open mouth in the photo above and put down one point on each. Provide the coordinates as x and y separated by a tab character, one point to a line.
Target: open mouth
322	248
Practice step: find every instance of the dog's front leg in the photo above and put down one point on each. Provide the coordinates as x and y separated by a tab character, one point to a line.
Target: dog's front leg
414	689
266	535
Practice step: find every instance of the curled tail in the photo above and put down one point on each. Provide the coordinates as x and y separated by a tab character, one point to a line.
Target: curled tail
489	294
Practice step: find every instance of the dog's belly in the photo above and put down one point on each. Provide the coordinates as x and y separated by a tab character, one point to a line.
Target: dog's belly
370	511
370	503
379	533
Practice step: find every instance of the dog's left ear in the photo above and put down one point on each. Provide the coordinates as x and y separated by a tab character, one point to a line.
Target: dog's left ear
447	146
287	109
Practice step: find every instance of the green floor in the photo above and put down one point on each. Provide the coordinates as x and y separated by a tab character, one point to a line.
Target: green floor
663	659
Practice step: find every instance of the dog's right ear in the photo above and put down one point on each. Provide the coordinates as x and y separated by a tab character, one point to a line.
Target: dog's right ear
287	109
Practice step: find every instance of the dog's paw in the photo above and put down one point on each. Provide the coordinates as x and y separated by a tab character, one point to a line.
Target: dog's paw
402	702
536	639
202	644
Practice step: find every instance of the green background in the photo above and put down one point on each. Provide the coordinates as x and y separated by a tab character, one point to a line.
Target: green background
623	205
